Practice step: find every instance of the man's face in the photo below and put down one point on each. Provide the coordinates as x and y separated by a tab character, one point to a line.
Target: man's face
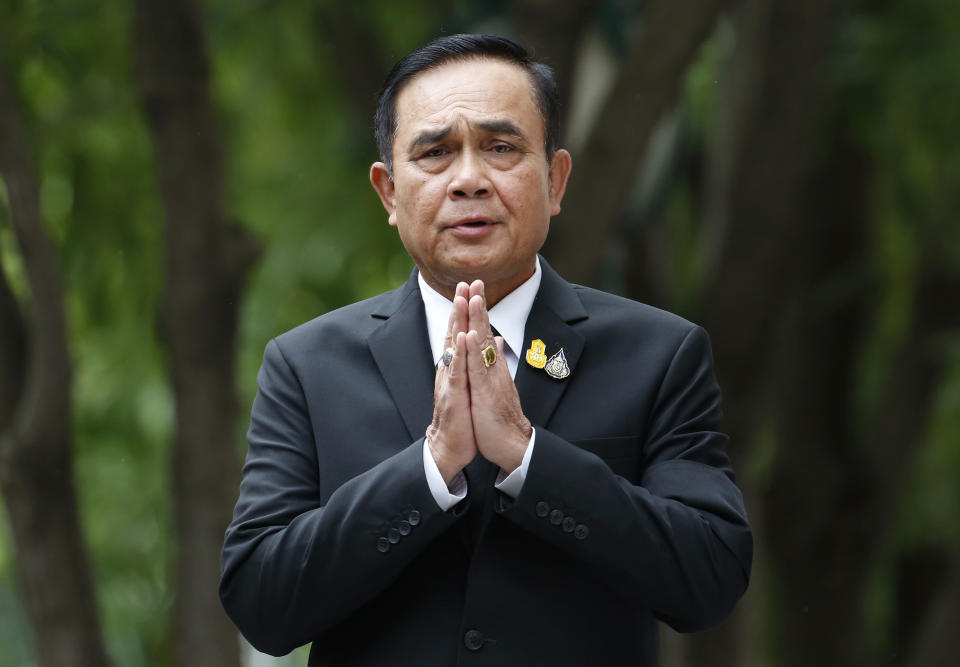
471	193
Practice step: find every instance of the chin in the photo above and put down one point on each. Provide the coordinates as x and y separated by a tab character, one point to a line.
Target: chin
494	272
489	270
476	266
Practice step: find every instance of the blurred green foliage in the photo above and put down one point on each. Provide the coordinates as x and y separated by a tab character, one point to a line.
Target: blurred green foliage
297	165
899	70
297	156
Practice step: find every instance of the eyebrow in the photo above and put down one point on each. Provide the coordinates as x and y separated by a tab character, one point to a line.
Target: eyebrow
428	137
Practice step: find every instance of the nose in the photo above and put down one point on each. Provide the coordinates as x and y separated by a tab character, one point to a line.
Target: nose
469	177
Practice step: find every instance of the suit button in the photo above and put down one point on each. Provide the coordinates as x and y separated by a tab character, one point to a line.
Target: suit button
556	517
393	535
404	527
473	640
569	523
383	545
581	532
414	517
543	509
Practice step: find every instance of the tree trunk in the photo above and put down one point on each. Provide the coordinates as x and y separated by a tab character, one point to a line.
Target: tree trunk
936	643
206	262
788	301
774	240
606	169
36	464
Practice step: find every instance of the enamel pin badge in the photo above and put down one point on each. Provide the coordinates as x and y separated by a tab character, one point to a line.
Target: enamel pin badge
536	355
557	366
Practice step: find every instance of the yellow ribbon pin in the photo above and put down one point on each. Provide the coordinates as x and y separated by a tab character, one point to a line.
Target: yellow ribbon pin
536	355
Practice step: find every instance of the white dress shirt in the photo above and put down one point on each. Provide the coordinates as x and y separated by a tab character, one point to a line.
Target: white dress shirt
509	318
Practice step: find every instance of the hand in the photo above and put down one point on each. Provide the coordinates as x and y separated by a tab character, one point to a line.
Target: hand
501	430
450	434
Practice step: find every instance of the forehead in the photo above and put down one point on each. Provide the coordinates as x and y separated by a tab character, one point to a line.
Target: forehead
475	89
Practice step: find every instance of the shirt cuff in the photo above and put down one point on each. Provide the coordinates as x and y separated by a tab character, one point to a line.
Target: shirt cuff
512	484
445	497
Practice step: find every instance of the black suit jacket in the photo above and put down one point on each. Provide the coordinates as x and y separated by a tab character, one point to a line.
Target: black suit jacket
629	511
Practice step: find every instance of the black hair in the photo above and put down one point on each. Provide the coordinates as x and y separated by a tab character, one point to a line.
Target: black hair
457	48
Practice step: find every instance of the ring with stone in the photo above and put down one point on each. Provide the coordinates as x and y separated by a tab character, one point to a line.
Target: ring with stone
447	356
489	355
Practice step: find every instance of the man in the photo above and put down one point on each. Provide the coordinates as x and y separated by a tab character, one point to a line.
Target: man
487	465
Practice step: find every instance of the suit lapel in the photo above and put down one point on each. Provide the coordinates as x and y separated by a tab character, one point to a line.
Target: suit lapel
554	310
401	349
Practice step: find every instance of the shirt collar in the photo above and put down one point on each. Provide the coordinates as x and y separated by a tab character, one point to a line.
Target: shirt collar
509	316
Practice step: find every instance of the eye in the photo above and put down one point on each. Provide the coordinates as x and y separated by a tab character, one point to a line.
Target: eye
434	152
502	148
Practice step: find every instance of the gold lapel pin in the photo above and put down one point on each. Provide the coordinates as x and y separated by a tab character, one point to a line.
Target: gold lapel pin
536	355
557	366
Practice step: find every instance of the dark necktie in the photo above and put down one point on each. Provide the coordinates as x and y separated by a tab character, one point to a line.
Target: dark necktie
481	475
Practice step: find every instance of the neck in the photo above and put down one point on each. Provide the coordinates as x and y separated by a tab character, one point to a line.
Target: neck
493	291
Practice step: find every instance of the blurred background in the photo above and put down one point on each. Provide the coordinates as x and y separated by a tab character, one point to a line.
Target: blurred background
180	181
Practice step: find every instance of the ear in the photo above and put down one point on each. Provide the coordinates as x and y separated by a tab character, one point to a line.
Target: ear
382	182
559	173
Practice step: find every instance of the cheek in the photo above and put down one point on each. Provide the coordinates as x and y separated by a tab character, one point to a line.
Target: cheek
422	200
528	193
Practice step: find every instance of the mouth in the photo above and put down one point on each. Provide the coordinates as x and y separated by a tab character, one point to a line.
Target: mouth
472	227
472	223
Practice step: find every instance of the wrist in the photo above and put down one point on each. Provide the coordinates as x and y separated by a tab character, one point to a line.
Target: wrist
448	467
517	448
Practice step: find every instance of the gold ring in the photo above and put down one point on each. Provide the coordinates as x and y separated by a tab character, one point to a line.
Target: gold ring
489	355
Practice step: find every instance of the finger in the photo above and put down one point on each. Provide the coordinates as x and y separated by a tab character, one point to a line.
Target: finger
463	292
452	377
451	331
452	319
458	367
437	385
477	288
501	357
472	349
461	314
477	368
479	320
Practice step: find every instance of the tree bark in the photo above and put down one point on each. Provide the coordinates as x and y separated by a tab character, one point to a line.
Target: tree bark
821	526
207	259
926	611
756	187
606	170
788	300
774	239
936	643
13	349
36	463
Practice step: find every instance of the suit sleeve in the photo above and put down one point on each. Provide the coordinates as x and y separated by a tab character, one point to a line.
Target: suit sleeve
292	566
677	542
